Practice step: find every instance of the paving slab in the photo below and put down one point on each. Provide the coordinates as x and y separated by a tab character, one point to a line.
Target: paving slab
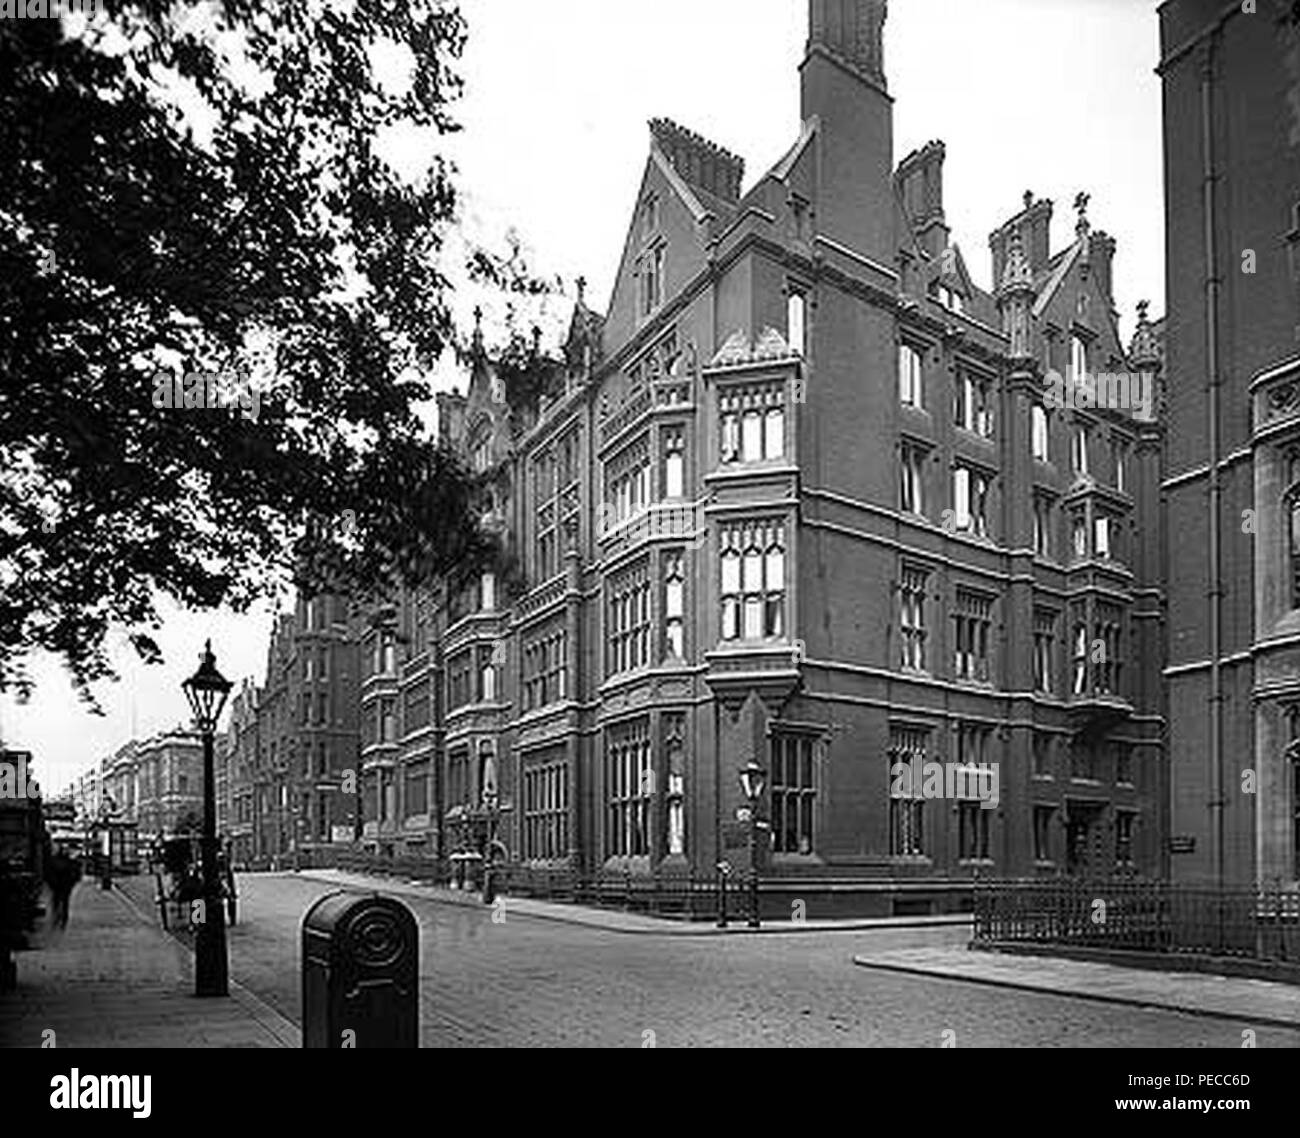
113	978
1197	993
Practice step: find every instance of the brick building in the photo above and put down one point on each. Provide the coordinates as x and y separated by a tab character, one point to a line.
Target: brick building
306	735
1232	200
798	497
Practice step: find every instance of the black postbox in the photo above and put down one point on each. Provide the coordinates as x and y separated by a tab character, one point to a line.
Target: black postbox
360	973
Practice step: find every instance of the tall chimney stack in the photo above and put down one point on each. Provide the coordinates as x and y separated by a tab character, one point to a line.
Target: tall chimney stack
843	86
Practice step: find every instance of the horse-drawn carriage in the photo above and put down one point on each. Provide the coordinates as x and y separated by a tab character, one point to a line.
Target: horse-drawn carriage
178	872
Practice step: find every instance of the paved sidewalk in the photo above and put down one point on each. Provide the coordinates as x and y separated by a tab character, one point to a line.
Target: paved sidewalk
1197	993
115	979
614	920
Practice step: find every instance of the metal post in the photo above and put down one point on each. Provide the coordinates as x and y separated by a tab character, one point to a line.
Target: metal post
753	865
722	895
211	967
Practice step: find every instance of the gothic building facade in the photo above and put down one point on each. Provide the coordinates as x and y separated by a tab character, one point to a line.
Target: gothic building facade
805	496
1232	200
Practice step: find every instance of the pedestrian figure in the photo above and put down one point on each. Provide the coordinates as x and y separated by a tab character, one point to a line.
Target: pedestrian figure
61	874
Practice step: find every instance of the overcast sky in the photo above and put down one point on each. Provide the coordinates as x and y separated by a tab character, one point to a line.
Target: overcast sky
1054	96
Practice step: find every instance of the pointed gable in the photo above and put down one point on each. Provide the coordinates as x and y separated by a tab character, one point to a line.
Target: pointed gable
689	187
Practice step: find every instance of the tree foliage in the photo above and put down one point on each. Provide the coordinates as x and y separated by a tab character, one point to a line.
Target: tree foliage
200	188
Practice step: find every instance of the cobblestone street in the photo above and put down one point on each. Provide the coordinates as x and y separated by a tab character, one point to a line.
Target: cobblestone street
530	982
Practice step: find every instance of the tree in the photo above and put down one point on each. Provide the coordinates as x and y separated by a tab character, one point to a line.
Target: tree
193	191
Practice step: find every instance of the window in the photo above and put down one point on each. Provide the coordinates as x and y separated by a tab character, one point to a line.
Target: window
417	706
306	664
1123	764
1124	838
1042	525
674	606
627	482
628	784
972	831
1295	550
793	793
545	666
1043	832
910	391
1044	651
322	708
1042	757
1078	359
753	423
458	786
487	674
1039	432
1080	656
1083	761
1079	535
973	405
753	581
1101	528
546	807
674	443
970	493
1119	457
906	810
796	322
460	675
650	217
912	618
629	620
546	562
971	625
675	764
322	664
912	494
1106	657
652	280
1079	451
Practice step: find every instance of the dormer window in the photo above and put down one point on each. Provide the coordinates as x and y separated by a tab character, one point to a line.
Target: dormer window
951	300
652	280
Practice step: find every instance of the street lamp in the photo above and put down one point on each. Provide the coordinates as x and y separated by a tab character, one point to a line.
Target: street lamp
207	690
753	779
491	807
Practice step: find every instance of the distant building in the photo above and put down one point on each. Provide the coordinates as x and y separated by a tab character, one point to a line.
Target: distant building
169	784
307	738
1232	485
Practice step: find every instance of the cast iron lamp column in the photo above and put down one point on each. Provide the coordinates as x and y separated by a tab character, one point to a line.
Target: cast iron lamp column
753	779
207	690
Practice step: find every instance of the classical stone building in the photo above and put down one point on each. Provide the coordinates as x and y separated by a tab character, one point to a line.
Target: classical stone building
169	784
1232	200
800	498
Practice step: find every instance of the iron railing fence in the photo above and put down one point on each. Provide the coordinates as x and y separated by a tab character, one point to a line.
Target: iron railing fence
682	893
1255	923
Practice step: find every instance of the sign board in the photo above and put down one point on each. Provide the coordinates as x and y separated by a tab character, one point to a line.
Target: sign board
1182	843
341	835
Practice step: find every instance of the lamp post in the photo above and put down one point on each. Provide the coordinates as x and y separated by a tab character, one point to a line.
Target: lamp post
753	779
491	808
207	690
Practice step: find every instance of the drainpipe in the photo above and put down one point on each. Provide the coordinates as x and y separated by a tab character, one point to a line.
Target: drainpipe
1212	290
